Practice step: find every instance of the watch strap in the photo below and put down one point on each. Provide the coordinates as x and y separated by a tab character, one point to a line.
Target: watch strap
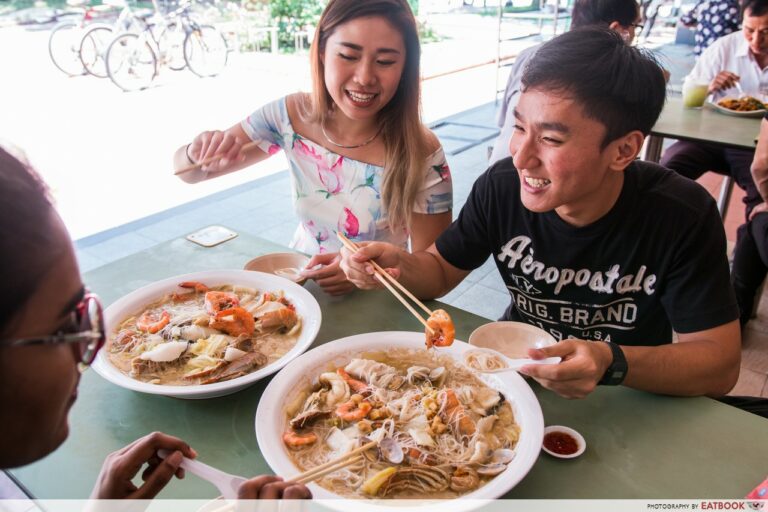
617	370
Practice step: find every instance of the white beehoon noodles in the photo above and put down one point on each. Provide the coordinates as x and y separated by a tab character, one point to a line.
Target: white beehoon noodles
456	432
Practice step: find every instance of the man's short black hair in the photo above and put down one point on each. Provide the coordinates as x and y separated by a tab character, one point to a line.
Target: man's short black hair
617	85
604	12
756	7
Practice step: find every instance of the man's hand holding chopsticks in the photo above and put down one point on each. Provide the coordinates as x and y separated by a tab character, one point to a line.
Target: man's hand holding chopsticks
358	268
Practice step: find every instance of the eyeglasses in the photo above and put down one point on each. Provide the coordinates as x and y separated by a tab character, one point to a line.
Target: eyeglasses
87	332
637	26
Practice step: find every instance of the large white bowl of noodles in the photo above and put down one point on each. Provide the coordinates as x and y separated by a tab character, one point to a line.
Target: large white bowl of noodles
271	418
307	309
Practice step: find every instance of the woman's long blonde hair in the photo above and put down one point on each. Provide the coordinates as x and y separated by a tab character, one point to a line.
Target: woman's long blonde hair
405	137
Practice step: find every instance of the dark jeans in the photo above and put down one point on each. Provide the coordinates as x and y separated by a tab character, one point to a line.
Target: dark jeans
750	263
693	159
749	268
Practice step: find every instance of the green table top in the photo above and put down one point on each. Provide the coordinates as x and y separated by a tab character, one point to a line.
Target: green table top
706	125
639	445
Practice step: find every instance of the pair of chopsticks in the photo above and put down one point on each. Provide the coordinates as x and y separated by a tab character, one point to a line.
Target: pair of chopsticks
385	279
333	465
210	159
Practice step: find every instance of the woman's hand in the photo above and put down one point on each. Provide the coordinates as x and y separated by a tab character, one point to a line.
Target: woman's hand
272	488
330	277
723	80
122	466
216	143
358	268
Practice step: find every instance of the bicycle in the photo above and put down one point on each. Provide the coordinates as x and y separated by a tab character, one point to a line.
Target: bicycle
133	58
64	39
97	36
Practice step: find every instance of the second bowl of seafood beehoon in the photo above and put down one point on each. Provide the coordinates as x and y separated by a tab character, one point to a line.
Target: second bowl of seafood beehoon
206	334
513	339
456	432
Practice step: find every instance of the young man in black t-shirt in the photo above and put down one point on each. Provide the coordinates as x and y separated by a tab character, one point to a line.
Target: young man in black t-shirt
606	253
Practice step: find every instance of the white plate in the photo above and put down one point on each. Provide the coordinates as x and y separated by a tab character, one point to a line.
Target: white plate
752	113
271	420
306	307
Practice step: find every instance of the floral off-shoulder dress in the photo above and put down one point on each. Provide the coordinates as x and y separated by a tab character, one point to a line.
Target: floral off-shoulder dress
332	193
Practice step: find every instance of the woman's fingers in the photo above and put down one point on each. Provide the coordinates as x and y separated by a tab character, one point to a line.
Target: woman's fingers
158	478
251	489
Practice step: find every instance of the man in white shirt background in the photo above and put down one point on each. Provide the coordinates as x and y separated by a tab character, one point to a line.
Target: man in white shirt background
738	58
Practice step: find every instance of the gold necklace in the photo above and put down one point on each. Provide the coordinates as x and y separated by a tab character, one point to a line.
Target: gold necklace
345	146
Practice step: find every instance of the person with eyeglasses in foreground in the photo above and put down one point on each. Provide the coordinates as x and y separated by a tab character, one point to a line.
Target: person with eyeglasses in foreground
605	252
51	328
623	16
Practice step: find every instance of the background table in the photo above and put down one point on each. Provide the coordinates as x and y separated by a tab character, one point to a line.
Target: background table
639	445
702	125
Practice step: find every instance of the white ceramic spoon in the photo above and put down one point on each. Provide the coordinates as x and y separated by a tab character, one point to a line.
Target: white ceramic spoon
292	273
226	483
510	363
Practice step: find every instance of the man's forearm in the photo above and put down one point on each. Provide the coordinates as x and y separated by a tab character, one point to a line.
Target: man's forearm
423	275
689	368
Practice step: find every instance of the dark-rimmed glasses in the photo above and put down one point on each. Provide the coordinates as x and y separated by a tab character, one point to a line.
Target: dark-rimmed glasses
88	332
637	26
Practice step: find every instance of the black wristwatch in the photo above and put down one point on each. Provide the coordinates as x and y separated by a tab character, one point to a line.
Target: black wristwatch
617	370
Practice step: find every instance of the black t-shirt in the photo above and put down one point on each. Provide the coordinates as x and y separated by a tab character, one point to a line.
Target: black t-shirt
655	261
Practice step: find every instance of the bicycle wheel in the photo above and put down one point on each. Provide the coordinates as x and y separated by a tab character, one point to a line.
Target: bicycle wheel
205	51
171	41
93	48
64	48
131	62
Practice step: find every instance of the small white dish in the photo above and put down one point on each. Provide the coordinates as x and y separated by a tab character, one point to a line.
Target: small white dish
513	339
509	363
580	442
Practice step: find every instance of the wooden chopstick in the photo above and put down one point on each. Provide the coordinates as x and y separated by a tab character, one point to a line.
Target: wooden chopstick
384	278
332	463
210	159
331	469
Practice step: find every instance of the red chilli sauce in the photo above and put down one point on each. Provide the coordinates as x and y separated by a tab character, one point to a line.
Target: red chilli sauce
560	443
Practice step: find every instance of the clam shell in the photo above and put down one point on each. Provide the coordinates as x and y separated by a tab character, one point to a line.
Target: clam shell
391	450
502	456
491	469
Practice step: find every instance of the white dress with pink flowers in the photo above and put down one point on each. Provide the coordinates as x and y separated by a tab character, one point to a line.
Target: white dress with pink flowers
333	193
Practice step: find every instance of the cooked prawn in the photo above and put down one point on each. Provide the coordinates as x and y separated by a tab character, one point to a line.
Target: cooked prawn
355	385
234	321
196	286
442	329
279	318
351	411
295	440
453	411
216	302
151	322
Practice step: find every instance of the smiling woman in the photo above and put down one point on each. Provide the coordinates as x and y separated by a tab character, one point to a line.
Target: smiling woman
361	162
50	330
